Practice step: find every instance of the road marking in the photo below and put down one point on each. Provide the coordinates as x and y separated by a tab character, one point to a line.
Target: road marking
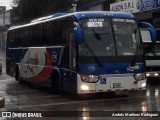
73	102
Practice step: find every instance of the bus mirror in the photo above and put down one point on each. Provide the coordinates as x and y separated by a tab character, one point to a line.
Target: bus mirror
151	29
78	34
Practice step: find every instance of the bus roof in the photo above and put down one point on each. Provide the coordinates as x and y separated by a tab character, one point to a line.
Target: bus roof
93	14
79	16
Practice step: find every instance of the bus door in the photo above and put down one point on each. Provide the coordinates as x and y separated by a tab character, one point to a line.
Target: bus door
72	76
72	51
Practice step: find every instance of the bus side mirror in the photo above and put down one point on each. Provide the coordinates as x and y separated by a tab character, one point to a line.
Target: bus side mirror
151	29
78	34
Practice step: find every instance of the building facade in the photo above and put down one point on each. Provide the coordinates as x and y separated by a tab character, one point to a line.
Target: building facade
94	5
150	9
4	25
144	10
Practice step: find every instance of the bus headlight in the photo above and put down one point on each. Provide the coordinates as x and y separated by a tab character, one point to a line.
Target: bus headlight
147	74
89	78
140	76
84	87
156	74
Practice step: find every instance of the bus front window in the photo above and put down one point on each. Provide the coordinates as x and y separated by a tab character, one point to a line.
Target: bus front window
126	36
98	38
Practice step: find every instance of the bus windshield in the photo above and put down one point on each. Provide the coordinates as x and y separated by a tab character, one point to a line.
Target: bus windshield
105	37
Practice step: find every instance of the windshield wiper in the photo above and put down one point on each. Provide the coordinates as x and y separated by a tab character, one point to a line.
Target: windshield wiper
134	57
95	58
96	35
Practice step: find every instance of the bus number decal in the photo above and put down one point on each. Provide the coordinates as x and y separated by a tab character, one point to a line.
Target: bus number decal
94	24
54	56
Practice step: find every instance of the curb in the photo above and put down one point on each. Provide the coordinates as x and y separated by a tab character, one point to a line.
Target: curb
2	102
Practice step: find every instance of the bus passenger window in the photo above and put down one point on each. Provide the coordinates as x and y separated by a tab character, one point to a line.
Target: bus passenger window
47	34
37	35
10	40
20	41
26	37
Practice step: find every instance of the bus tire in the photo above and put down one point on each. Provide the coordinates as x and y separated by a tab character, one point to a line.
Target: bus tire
17	76
55	82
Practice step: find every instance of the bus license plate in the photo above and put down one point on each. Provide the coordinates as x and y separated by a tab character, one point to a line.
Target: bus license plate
117	85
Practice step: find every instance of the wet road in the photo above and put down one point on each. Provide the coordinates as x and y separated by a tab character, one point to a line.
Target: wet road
28	98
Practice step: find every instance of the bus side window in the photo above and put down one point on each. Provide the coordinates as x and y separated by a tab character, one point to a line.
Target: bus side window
47	34
14	39
65	25
20	41
37	35
10	40
26	37
56	33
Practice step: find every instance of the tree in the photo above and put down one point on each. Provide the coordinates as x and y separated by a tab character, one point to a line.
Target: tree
28	10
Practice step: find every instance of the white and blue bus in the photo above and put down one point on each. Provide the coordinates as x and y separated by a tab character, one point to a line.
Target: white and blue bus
81	52
151	52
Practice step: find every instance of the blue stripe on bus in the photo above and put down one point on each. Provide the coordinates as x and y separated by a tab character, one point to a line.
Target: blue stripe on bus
112	68
103	14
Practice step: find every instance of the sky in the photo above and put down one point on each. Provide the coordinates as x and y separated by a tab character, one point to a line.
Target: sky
5	3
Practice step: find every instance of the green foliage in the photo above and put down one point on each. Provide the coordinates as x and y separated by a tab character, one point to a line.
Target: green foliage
28	10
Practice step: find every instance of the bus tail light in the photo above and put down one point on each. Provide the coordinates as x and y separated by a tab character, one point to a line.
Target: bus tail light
89	78
140	76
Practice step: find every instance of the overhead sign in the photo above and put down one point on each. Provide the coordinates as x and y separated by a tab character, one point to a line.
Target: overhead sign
134	6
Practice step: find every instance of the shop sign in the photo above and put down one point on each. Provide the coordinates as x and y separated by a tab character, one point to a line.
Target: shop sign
134	6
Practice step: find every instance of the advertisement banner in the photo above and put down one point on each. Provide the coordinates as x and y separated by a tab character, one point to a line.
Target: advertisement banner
134	6
146	4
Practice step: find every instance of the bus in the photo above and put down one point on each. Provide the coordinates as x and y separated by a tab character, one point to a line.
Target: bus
80	53
152	54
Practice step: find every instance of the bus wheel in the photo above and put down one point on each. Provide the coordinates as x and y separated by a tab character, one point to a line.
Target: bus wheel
55	83
17	76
